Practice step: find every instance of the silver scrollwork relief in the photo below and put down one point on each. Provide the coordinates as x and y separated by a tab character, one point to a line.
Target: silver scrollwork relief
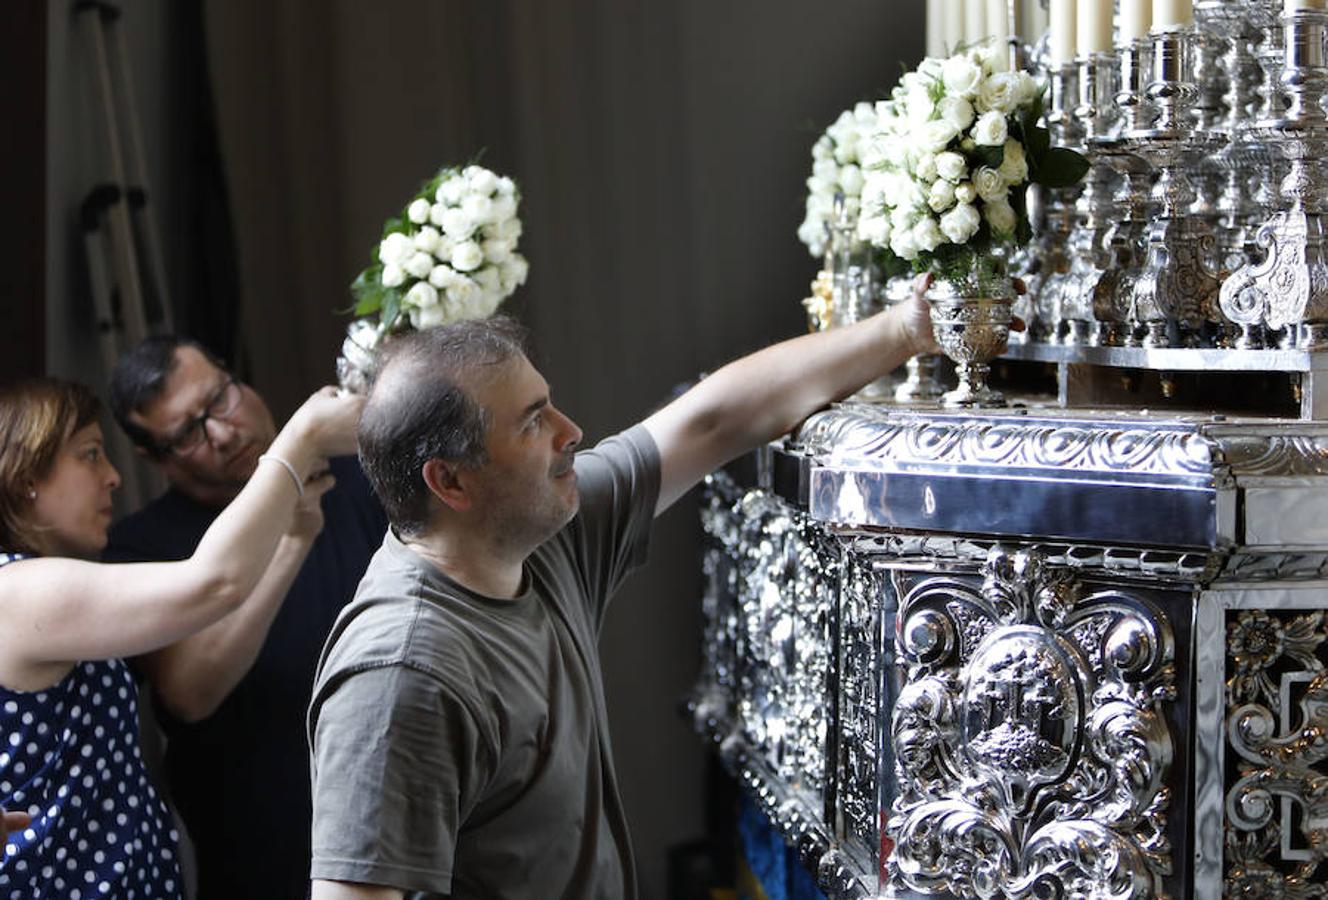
785	594
1277	727
1032	751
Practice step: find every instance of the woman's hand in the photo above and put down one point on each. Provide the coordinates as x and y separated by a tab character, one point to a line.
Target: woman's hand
916	319
328	420
12	821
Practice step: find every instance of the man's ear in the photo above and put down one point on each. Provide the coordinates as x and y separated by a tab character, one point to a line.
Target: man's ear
441	478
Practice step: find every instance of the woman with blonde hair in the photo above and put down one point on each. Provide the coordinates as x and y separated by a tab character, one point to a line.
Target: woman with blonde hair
69	753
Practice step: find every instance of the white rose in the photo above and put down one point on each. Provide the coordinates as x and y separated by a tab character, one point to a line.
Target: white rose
451	191
818	185
937	134
960	223
444	248
864	114
989	184
418	211
504	208
427	317
965	192
999	93
931	67
902	243
395	249
823	150
419	265
925	167
990	130
1014	167
1027	88
441	276
850	179
941	196
927	235
457	224
489	280
479	208
495	251
957	111
461	291
506	187
421	294
427	238
919	103
991	56
467	256
393	275
436	214
514	272
875	230
1001	217
824	168
482	181
960	75
508	229
951	166
812	233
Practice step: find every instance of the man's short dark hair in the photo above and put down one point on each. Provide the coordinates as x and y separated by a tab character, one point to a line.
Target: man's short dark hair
425	412
140	377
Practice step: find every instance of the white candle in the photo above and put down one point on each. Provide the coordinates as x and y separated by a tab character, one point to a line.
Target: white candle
975	21
1093	34
1060	47
1168	15
998	20
952	24
1034	21
1293	5
1135	17
935	28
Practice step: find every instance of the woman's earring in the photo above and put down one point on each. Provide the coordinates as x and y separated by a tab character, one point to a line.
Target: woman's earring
32	495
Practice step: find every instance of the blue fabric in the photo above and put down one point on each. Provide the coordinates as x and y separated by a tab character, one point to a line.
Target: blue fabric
774	864
69	757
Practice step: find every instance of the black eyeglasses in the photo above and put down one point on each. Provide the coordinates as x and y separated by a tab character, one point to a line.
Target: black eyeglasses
194	434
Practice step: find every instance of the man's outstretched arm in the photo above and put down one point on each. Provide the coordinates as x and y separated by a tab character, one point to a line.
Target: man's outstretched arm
759	397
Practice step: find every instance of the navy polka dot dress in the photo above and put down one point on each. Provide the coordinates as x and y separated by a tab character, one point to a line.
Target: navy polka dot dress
69	757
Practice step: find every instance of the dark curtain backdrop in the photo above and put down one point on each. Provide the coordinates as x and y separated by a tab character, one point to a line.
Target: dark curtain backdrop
661	149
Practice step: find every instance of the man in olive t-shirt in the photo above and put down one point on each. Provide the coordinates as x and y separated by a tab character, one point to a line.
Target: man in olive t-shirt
459	736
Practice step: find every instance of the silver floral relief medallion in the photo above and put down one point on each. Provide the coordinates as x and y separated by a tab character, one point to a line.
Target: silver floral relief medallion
1031	747
1277	764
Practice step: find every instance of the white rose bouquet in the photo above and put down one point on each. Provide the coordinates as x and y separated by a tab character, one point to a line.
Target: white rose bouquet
450	256
948	160
835	170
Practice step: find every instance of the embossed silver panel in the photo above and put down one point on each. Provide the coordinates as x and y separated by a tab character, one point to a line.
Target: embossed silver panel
1261	788
1032	747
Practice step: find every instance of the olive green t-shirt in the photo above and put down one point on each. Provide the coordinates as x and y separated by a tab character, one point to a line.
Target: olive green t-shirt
460	743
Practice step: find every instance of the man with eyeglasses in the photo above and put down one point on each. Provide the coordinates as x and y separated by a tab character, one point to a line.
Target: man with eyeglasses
231	699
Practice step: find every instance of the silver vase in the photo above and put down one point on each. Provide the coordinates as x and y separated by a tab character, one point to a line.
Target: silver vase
970	317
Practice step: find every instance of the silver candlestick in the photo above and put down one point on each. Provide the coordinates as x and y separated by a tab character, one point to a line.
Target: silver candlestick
1061	215
1176	291
1289	288
1089	254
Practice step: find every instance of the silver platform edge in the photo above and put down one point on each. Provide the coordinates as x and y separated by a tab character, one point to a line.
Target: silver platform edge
1028	654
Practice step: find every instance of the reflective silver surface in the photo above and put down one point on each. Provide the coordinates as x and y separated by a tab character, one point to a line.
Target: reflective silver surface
933	707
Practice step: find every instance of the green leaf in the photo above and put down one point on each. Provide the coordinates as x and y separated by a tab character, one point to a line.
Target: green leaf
1037	144
990	156
391	308
1061	167
394	225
